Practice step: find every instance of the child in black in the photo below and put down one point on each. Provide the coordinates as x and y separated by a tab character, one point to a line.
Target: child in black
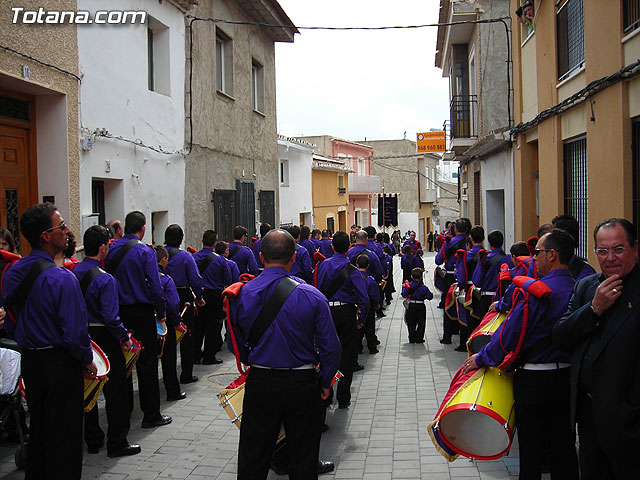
416	315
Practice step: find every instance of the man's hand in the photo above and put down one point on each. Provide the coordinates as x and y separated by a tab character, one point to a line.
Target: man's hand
493	307
201	302
606	294
163	319
127	345
470	364
324	393
91	370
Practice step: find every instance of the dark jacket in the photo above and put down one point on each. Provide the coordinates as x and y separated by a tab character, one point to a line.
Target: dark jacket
615	383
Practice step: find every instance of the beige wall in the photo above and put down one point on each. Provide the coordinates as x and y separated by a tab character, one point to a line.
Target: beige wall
325	197
56	45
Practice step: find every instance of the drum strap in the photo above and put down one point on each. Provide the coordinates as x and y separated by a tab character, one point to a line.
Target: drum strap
204	264
92	274
172	251
15	302
234	250
576	265
337	282
119	255
271	308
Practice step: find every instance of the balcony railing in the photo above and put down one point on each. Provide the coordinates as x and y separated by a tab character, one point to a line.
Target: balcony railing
631	14
463	116
364	183
342	190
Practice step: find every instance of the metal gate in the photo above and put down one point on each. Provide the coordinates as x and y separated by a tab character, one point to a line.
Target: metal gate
246	206
267	207
224	207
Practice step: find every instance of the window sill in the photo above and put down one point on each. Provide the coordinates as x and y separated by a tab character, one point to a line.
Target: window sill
258	112
629	36
225	95
571	74
526	40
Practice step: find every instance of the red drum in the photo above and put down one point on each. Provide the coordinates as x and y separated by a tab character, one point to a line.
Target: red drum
481	336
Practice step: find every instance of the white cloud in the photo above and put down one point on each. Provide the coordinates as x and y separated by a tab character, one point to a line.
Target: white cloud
356	84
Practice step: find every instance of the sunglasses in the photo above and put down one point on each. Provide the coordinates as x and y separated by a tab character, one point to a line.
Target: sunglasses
62	226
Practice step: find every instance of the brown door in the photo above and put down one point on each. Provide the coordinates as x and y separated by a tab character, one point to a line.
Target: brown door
15	192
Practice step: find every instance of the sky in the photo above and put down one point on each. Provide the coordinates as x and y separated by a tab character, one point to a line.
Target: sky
360	84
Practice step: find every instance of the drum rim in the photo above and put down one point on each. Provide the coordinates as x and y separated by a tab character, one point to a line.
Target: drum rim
97	348
487	411
164	328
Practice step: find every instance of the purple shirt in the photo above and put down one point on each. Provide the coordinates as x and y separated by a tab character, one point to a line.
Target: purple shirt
302	332
302	266
419	291
326	248
102	299
373	291
172	300
183	270
353	289
375	267
450	250
217	275
415	245
137	275
463	275
233	270
376	248
54	313
310	246
244	258
487	279
255	248
543	315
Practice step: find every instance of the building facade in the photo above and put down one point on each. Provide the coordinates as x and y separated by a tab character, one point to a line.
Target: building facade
475	59
132	111
577	115
231	135
330	192
39	82
296	200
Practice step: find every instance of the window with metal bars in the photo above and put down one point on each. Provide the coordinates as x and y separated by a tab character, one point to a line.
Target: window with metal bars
631	14
635	151
570	37
576	188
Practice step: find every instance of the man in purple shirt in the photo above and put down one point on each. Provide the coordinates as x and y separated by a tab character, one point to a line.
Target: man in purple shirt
412	242
215	278
325	245
49	321
463	273
375	267
135	268
541	385
101	295
302	267
184	272
222	249
264	229
344	286
242	255
307	242
282	359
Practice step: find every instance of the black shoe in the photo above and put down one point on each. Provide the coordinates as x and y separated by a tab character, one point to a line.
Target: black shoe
94	448
419	341
445	342
381	314
125	452
197	361
460	348
373	351
215	361
192	379
358	367
343	405
325	427
325	467
377	342
388	302
279	469
161	421
175	398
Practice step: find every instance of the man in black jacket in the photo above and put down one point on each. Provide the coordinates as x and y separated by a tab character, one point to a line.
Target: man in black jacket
601	329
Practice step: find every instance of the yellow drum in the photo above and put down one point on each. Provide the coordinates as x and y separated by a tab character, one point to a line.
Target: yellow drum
93	386
180	331
481	336
131	356
478	421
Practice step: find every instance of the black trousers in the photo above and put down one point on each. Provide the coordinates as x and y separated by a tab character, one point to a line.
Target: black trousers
344	318
139	318
169	363
416	317
369	330
449	327
53	379
186	344
273	398
208	326
542	399
116	397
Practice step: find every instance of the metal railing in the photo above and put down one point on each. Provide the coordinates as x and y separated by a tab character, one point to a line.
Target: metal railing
463	110
631	14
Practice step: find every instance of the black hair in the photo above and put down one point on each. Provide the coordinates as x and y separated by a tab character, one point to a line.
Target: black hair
35	220
294	230
134	222
161	253
362	261
94	237
304	232
325	234
264	229
8	236
463	225
496	239
173	235
477	234
209	238
416	273
340	241
519	249
544	228
371	231
220	248
568	223
629	230
562	242
239	231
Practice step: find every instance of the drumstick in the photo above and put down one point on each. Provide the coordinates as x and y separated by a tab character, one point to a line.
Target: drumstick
186	307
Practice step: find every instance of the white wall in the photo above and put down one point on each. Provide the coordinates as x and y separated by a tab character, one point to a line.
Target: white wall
497	174
114	95
295	198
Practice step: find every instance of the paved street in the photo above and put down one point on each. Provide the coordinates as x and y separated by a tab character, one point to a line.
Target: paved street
381	436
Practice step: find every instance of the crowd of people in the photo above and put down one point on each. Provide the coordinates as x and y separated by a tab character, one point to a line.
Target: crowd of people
302	305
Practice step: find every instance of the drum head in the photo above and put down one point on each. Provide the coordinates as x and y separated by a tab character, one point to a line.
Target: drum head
161	328
100	361
474	434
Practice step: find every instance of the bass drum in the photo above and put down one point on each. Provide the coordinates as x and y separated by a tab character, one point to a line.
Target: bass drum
481	336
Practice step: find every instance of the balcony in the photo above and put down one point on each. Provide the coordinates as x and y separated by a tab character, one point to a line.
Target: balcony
364	183
463	123
342	190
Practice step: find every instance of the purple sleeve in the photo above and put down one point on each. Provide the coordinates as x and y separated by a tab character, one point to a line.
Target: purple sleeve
195	279
173	301
504	340
327	343
109	308
150	266
73	320
362	297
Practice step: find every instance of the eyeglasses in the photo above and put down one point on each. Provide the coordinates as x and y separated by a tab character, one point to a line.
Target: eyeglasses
538	251
62	226
604	252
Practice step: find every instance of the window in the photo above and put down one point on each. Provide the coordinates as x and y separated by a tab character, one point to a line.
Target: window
570	37
433	178
341	188
158	65
224	62
284	173
631	14
257	86
361	166
635	152
576	201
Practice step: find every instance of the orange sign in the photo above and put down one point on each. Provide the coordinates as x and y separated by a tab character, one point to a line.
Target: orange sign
431	142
